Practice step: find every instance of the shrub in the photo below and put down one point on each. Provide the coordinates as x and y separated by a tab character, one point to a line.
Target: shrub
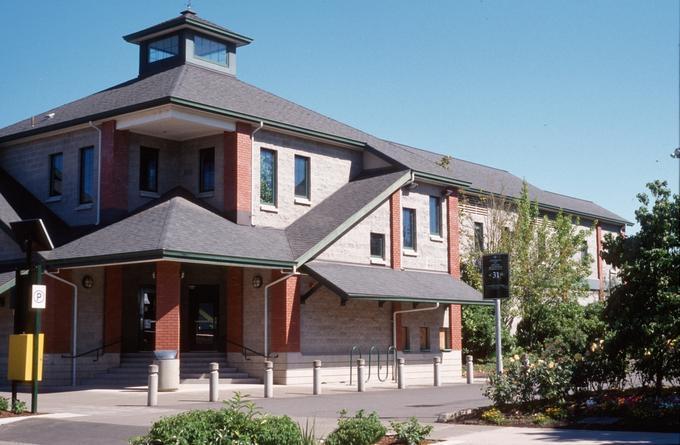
277	430
411	432
555	412
4	404
18	407
479	332
494	416
540	419
361	429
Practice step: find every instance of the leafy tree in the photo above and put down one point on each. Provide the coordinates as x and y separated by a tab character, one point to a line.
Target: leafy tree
643	312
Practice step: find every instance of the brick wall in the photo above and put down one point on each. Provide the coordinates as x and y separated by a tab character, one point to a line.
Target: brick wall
237	173
234	307
453	235
395	230
167	305
284	315
114	184
56	317
113	306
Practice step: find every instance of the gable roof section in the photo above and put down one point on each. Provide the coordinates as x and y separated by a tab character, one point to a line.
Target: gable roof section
208	90
335	215
384	283
176	229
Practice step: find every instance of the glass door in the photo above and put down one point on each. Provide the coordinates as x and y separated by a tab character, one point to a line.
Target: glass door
204	313
147	318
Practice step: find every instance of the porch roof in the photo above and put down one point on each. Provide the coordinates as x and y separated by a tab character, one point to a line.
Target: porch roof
383	283
6	281
176	229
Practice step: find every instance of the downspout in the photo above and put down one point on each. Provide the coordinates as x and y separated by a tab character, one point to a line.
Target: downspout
99	171
252	169
394	320
266	308
74	323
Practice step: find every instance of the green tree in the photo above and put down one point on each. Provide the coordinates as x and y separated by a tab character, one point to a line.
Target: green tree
643	312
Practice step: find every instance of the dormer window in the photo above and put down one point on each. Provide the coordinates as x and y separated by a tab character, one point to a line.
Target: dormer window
164	48
210	50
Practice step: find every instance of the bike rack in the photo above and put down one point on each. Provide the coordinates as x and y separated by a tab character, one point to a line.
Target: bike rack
374	350
351	361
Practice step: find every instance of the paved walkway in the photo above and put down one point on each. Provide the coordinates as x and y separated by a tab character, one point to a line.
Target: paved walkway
105	417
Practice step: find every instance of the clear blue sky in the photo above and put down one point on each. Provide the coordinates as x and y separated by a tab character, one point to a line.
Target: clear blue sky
578	97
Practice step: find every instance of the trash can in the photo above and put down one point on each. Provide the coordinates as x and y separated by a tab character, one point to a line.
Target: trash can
168	370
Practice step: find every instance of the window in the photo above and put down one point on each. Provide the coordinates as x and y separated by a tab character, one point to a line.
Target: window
435	216
148	169
206	167
267	176
444	338
406	338
86	175
163	48
378	245
302	177
56	173
424	338
409	229
210	50
479	236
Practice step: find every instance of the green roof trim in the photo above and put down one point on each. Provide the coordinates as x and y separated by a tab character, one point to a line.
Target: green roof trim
354	219
188	21
441	179
411	300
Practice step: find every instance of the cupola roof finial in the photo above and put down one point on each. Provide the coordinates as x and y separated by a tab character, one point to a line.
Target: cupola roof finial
188	10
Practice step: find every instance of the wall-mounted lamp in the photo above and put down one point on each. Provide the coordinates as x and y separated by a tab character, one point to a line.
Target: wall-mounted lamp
87	282
448	192
412	186
257	281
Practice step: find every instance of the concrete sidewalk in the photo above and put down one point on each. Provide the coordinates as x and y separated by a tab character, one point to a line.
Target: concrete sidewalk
113	416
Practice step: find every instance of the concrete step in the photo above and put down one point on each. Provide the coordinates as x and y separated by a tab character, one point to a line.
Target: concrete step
206	375
226	381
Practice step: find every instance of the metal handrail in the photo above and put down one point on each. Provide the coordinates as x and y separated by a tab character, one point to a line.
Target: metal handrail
245	350
99	350
351	360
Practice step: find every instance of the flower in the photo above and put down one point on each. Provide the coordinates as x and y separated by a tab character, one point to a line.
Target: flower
578	357
512	360
551	365
516	357
593	347
541	361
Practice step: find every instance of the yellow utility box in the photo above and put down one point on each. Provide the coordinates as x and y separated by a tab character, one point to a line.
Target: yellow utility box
20	364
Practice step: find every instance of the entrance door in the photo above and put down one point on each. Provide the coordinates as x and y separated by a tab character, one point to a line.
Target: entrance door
146	315
203	314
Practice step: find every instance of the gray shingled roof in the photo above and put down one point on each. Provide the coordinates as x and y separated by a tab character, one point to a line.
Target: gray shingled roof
383	283
6	281
330	214
205	87
176	228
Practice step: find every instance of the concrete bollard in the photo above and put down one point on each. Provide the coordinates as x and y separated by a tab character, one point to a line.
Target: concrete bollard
317	378
401	373
214	381
268	379
360	375
436	361
152	391
470	370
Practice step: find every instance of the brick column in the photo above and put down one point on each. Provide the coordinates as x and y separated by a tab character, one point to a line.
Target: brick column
284	315
395	230
453	239
168	286
114	181
237	174
598	247
113	307
57	315
234	307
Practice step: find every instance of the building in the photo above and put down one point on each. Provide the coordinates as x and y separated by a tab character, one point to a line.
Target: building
187	207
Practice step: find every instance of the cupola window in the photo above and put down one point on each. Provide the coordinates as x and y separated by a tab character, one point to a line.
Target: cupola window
163	48
210	50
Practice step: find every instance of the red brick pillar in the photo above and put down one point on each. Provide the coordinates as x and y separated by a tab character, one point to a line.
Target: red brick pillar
168	286
56	317
395	256
114	183
600	273
237	174
113	307
284	315
234	307
453	237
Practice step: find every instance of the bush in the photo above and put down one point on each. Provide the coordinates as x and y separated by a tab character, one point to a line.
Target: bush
411	432
239	422
4	404
494	416
479	332
358	430
18	407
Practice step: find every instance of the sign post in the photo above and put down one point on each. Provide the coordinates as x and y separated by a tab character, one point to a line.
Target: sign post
38	303
496	283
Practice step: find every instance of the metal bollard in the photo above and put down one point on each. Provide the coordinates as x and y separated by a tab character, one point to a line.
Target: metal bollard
317	378
470	369
437	374
152	392
360	375
401	373
268	379
214	381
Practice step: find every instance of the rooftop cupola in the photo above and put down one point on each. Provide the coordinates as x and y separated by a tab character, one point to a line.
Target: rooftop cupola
187	38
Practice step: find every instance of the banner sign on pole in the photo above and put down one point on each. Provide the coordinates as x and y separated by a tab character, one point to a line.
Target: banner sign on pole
496	276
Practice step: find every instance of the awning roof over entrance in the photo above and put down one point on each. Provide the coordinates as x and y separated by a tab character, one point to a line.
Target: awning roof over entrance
382	283
176	229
